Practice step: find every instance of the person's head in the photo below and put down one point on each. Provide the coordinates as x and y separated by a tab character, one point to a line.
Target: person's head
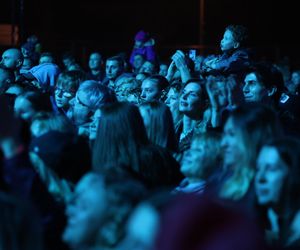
95	61
66	86
159	124
29	103
90	96
234	37
193	99
68	59
172	100
12	59
277	180
245	131
140	77
127	89
121	131
46	57
6	79
140	38
97	215
163	69
138	61
43	122
114	67
20	227
148	67
152	87
203	157
263	83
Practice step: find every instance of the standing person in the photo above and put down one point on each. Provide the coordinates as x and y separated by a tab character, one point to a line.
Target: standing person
114	68
143	45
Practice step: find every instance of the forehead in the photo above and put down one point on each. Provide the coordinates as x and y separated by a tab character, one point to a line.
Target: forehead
192	87
269	155
112	63
95	56
149	83
251	77
228	35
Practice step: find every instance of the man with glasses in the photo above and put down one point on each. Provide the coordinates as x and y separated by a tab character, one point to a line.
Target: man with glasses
89	97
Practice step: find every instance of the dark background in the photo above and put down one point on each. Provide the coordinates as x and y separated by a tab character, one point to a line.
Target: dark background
81	26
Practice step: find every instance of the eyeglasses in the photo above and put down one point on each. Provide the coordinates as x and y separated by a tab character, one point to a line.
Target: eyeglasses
67	94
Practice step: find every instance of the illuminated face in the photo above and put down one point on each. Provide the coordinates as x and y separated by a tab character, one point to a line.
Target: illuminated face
63	96
10	59
80	110
150	90
270	177
113	69
94	124
253	90
231	143
86	212
296	78
138	61
24	109
228	42
95	61
190	100
172	101
163	69
193	162
148	67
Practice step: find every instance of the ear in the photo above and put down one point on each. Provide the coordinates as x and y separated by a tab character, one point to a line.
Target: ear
272	91
236	45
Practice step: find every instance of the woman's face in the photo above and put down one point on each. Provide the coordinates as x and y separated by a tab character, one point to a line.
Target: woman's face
24	109
172	100
231	143
192	164
190	100
270	176
94	124
86	212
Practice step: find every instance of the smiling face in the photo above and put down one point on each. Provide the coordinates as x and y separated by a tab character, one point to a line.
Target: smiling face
253	89
270	177
190	102
86	212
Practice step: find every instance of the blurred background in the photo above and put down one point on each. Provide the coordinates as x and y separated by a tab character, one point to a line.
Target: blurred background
109	26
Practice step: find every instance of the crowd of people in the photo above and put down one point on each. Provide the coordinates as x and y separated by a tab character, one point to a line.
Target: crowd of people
136	153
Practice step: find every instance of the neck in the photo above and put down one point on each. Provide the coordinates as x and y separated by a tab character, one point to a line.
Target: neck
188	123
11	147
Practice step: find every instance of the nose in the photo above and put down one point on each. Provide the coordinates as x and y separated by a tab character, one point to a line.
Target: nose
246	88
260	176
184	96
143	94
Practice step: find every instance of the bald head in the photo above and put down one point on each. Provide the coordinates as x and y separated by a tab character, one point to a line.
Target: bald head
12	59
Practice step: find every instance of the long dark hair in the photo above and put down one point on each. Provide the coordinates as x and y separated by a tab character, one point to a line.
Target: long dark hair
120	133
288	149
161	128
